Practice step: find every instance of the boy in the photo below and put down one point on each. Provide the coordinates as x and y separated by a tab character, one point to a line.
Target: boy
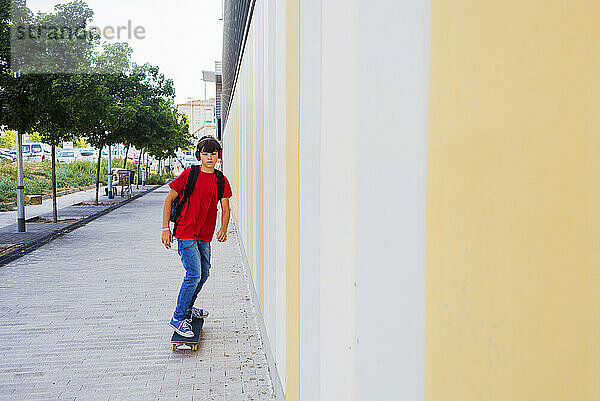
194	230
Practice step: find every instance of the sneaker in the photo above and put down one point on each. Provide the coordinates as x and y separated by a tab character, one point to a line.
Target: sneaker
182	327
199	313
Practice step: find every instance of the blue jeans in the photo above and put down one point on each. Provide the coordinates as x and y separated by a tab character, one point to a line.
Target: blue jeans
196	262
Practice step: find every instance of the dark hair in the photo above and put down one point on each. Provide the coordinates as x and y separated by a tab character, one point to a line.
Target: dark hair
208	144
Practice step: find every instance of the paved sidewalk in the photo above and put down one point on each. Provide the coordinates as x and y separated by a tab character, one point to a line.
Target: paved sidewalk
68	212
85	317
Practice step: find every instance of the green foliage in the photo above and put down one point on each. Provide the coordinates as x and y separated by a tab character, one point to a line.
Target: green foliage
114	59
170	132
34	137
158	179
9	140
57	47
8	189
80	142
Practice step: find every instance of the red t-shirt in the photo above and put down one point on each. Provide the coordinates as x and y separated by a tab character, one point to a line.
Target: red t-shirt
199	213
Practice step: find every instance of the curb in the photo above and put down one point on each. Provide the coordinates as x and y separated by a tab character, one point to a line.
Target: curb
24	249
59	194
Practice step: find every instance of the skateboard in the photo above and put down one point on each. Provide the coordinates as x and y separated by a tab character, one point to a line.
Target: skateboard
180	342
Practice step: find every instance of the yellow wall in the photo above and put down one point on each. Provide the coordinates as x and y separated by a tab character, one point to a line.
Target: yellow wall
513	201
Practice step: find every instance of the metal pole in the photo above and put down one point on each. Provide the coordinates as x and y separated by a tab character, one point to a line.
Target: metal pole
20	187
204	109
110	190
192	117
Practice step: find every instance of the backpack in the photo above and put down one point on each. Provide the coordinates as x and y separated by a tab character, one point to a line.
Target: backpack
179	201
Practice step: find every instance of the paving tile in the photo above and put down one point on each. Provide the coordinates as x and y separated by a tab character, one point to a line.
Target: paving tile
85	317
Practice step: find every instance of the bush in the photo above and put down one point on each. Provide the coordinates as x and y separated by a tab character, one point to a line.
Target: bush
158	179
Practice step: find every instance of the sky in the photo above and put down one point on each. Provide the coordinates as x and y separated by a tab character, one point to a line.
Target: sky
182	37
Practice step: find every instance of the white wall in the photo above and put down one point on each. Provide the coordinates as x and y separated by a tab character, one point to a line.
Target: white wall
337	198
310	205
393	67
280	200
241	134
363	123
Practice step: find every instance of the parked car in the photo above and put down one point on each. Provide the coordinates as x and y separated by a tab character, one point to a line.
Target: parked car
36	151
4	156
7	155
189	161
68	156
89	155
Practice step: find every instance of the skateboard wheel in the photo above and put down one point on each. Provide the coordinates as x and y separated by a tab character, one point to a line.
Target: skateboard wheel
174	347
195	348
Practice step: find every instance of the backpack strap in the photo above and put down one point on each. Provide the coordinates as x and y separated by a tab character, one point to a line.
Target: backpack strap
191	182
220	184
187	192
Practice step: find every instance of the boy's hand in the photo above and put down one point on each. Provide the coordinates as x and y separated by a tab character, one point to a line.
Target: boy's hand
167	238
222	235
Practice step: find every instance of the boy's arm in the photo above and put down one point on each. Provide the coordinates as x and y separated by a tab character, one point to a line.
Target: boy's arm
222	234
166	236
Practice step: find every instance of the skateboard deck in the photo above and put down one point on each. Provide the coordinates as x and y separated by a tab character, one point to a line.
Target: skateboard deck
180	342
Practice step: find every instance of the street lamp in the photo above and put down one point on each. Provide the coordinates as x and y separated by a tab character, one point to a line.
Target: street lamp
207	76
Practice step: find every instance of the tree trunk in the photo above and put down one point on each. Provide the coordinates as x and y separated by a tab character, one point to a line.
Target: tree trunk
147	168
98	172
54	209
125	161
140	158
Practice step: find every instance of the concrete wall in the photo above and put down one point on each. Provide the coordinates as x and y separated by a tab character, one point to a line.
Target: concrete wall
254	158
303	161
415	183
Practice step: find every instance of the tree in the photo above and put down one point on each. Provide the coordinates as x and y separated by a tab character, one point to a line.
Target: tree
104	100
97	102
56	120
57	58
18	92
147	114
54	43
19	97
170	132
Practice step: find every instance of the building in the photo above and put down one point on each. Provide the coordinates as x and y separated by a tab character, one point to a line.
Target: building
201	115
219	94
415	187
